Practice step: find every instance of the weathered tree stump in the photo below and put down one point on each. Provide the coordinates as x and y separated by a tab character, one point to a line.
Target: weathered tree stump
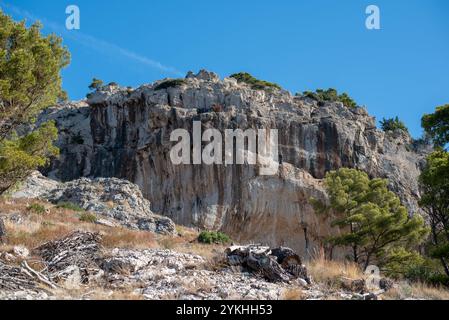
276	265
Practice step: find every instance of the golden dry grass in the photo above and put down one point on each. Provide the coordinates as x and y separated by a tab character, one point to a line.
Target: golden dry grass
418	291
330	272
37	228
96	293
293	294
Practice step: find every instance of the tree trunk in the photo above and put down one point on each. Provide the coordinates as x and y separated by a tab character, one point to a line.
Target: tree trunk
367	261
435	242
354	248
445	266
2	230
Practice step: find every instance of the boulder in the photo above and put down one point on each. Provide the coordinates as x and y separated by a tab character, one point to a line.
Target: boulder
119	201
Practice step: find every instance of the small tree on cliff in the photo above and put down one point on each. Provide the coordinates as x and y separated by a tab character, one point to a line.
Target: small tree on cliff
30	81
371	218
437	125
96	84
393	124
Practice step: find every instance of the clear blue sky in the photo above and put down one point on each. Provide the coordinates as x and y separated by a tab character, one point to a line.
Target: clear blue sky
402	69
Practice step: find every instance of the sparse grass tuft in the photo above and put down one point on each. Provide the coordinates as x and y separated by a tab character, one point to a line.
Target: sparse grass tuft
293	294
37	208
69	206
88	217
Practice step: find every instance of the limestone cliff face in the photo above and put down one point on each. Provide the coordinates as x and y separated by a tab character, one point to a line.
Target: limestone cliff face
125	133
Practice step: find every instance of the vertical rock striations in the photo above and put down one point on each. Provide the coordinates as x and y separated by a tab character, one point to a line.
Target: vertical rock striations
125	133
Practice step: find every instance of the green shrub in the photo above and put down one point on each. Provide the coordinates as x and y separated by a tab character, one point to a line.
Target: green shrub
88	217
69	206
393	124
210	237
96	84
255	84
36	208
330	95
170	84
427	272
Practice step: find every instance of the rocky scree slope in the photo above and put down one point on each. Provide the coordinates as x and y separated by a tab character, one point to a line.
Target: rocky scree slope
125	133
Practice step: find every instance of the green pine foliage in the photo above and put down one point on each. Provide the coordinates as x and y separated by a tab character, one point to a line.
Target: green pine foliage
210	237
21	155
172	83
393	124
96	84
30	66
30	81
330	95
434	183
371	219
255	84
437	125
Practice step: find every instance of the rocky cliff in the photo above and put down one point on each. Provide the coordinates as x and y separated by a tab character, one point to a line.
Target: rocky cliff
125	133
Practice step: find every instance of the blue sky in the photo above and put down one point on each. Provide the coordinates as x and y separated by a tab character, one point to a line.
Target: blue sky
402	69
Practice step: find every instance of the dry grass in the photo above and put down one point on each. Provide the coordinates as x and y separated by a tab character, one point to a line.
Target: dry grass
293	294
331	272
97	293
130	239
417	291
37	228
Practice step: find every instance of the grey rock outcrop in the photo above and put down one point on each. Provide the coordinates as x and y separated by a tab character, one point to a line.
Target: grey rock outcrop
119	201
125	133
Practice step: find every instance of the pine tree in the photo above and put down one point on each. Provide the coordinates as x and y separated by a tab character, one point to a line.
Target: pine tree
30	81
96	84
434	182
437	125
371	218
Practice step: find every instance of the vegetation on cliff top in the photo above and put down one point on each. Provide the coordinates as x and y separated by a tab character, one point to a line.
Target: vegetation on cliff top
255	84
172	83
393	124
96	84
330	95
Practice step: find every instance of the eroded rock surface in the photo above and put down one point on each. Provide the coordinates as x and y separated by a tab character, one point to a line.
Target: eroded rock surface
125	133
